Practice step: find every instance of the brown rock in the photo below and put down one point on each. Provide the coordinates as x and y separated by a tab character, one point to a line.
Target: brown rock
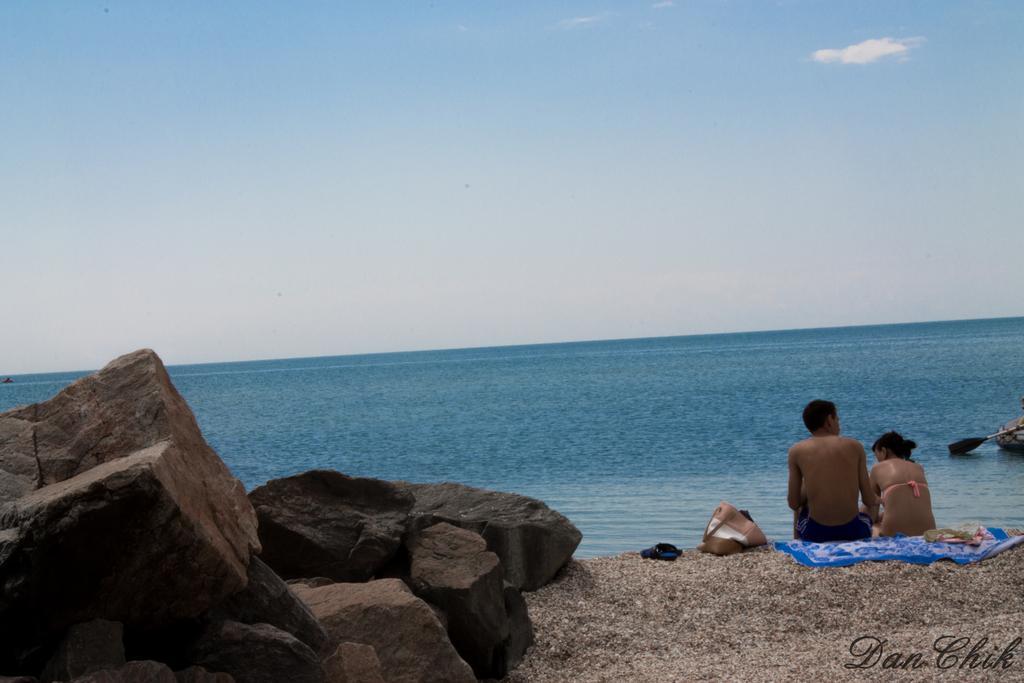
409	640
113	505
532	540
267	599
197	674
353	663
128	405
90	646
257	653
144	539
132	672
324	523
312	582
520	628
452	568
19	470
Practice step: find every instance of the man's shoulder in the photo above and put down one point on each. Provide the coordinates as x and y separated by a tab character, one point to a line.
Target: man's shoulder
800	446
826	444
850	443
805	451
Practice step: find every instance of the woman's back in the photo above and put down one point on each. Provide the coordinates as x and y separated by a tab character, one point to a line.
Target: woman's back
906	498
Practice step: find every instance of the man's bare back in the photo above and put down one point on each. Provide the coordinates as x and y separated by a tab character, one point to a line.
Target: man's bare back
826	472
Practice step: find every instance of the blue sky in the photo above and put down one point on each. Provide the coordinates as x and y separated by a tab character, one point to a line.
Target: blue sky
224	181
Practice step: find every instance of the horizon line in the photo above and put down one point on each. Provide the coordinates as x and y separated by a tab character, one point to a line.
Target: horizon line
528	344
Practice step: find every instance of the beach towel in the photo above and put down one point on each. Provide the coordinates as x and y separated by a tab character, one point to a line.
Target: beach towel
912	549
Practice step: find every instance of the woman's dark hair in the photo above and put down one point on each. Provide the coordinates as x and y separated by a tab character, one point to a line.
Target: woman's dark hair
895	443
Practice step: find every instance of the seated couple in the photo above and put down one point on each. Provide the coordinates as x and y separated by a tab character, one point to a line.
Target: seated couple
827	471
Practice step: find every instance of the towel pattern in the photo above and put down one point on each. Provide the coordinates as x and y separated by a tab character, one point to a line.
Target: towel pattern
912	549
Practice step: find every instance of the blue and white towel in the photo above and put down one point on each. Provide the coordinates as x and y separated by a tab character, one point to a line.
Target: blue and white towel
912	549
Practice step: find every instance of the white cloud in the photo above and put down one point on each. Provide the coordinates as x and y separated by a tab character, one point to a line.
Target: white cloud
868	51
663	4
579	22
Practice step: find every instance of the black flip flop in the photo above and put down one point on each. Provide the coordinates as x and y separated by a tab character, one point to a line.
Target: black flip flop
661	551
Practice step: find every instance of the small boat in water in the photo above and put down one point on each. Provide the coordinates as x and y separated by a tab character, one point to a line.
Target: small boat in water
6	380
1011	437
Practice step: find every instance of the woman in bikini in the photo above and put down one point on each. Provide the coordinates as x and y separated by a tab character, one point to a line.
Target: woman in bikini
902	488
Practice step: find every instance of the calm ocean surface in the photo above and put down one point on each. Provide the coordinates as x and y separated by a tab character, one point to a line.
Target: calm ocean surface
635	441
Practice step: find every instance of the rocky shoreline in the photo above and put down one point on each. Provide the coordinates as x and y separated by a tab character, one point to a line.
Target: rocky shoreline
128	552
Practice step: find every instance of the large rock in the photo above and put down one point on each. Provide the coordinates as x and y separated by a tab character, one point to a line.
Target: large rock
452	568
128	405
409	640
311	581
146	539
353	663
112	505
520	628
132	672
257	653
197	674
90	646
267	599
324	523
154	672
532	540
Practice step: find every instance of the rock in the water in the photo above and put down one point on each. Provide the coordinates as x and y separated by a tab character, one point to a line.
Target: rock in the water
532	540
144	539
353	663
197	674
409	640
257	653
132	672
90	646
267	599
520	628
324	523
452	568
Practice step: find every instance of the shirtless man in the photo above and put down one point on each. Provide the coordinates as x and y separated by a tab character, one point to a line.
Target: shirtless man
826	472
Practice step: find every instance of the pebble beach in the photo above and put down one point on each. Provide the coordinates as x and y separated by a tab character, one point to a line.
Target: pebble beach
759	616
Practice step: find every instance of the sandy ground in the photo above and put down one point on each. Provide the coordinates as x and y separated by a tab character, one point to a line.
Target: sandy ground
759	616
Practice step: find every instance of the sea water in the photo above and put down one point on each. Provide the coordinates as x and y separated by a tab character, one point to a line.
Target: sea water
636	441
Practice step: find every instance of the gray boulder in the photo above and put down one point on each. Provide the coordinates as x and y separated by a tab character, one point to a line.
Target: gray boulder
257	653
132	672
197	674
88	647
452	569
128	405
532	540
267	599
324	523
520	628
112	505
408	638
145	540
353	663
312	581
